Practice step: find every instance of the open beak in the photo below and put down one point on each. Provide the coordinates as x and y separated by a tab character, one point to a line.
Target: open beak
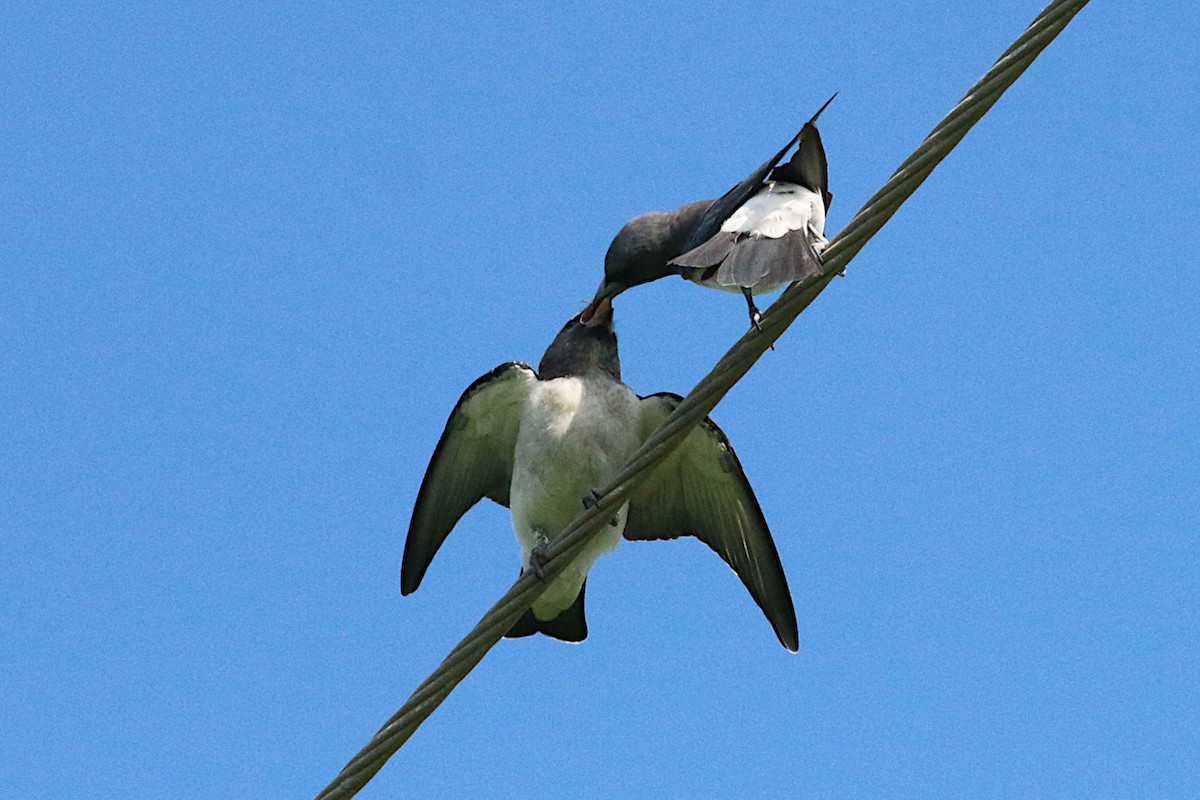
597	313
602	300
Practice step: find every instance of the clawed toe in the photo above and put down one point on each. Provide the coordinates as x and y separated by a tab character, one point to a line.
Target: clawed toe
537	557
592	499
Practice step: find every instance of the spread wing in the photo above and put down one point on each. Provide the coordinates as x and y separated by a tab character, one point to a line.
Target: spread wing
472	460
700	490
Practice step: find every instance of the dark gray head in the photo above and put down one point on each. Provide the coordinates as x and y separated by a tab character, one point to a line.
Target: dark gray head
641	250
583	347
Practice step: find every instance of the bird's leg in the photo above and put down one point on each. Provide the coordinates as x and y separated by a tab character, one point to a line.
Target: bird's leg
755	316
592	499
819	243
537	555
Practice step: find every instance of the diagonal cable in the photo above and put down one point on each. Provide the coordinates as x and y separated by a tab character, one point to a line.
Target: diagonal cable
728	371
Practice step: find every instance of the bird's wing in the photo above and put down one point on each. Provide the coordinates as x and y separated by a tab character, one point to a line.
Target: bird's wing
729	202
807	165
700	490
767	262
472	460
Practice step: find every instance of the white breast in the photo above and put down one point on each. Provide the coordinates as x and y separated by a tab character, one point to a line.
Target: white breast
777	210
575	433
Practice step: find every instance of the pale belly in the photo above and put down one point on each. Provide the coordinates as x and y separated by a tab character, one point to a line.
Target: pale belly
761	288
574	435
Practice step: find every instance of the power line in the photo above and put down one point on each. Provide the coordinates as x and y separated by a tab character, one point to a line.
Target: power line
728	371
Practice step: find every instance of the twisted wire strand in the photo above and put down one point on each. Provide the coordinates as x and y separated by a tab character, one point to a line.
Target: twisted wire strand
704	397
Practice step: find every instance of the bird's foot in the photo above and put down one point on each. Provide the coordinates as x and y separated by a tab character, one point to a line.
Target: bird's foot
756	323
819	242
592	499
755	314
537	556
818	248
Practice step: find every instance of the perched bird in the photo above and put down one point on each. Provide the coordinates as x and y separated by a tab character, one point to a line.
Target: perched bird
542	442
765	232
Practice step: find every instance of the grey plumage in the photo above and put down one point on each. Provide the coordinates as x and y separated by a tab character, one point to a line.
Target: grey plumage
734	260
641	249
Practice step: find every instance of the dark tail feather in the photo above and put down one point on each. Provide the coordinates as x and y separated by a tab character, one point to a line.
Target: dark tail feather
762	261
709	254
569	626
808	166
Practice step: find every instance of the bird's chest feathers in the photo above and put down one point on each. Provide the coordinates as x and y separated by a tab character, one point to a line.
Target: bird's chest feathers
577	425
575	433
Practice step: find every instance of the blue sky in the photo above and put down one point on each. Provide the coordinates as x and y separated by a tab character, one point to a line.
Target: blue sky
251	257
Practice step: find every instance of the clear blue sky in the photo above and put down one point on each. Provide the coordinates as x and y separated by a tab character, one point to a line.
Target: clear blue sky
251	256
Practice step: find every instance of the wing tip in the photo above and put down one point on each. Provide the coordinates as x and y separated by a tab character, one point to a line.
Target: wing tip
410	580
790	639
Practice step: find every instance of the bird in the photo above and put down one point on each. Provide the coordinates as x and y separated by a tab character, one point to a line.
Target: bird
766	231
541	442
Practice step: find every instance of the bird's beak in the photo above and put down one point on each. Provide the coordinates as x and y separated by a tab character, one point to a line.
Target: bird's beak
602	300
598	313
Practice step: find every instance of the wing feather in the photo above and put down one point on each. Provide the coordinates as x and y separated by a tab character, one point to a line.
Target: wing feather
732	200
807	167
757	262
472	460
700	490
709	254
